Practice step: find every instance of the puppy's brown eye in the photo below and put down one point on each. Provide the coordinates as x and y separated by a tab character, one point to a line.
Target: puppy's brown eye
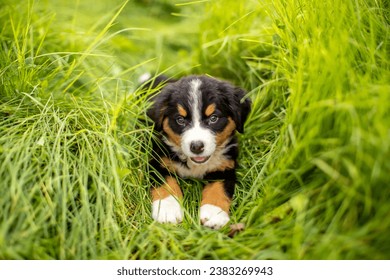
181	121
213	119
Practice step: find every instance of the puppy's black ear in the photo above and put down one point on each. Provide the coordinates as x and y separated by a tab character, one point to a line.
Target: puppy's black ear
242	108
158	109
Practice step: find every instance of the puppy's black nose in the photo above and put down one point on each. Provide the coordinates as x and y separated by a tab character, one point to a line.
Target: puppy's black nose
197	147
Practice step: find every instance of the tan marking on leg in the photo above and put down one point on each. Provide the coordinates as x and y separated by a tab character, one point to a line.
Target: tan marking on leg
225	164
226	133
209	110
181	111
214	194
171	134
171	187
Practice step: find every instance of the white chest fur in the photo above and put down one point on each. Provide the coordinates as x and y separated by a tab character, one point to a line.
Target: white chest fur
194	170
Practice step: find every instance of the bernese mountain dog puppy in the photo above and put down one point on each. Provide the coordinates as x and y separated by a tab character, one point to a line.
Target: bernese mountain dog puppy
196	118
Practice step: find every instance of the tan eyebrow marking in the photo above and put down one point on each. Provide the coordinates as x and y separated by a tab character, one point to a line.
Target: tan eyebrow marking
209	110
181	111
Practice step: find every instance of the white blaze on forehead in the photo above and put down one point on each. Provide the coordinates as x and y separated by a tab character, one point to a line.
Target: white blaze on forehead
195	98
196	132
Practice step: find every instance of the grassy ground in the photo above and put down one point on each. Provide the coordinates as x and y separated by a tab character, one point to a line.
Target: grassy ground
314	164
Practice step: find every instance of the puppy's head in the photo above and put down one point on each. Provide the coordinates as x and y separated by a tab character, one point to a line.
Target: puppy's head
198	115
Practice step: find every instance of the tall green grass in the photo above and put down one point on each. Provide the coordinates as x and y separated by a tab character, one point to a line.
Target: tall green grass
74	147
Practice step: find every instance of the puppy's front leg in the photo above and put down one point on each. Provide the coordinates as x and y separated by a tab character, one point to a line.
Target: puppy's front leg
166	206
214	210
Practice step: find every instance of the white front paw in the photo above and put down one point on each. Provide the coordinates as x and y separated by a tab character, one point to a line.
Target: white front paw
167	210
213	217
